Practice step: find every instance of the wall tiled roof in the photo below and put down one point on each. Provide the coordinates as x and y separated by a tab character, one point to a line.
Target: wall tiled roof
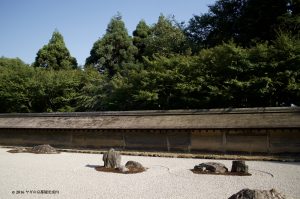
280	117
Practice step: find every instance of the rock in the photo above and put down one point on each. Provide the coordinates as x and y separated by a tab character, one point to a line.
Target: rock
257	194
123	169
214	167
112	159
20	149
134	165
239	166
45	148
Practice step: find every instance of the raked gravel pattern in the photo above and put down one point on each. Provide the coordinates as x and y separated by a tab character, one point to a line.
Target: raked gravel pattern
73	176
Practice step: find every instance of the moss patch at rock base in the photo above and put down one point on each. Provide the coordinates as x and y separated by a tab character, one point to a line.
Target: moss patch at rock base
39	149
226	173
116	170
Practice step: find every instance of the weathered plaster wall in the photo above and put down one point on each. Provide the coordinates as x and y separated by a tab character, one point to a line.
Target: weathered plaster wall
219	140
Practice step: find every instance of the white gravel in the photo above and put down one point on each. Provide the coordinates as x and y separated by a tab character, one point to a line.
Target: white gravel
73	176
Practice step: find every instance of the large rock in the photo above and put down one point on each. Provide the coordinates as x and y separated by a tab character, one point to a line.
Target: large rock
44	149
214	167
134	165
239	166
112	159
257	194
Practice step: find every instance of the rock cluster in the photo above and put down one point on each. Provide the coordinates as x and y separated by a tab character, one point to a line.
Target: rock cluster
257	194
238	168
213	167
112	163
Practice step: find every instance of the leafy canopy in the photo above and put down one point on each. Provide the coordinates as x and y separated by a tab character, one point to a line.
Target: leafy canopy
111	52
55	55
165	38
240	20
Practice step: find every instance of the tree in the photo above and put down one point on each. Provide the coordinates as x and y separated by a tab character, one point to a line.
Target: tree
285	70
140	35
240	20
14	81
259	20
93	94
290	22
113	50
165	39
11	62
216	26
28	89
52	91
55	55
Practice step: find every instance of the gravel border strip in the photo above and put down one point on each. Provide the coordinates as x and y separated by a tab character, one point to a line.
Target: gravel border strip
281	158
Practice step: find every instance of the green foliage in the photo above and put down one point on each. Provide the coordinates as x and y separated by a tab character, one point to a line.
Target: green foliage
244	65
160	85
52	91
14	78
259	20
216	26
240	20
227	75
93	94
27	89
165	39
290	22
285	69
140	36
113	50
55	55
8	62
